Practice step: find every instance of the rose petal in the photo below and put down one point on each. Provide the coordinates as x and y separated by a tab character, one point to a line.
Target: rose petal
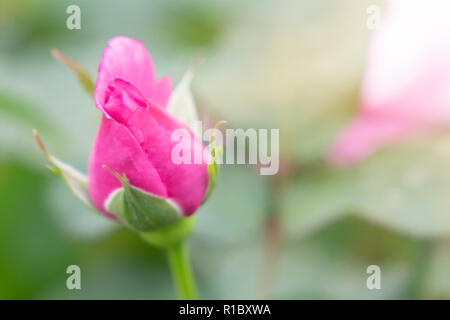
406	86
151	128
116	147
128	59
186	183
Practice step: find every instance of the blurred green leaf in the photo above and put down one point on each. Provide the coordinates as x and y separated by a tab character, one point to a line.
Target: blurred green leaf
121	266
25	23
193	24
24	111
405	187
332	263
33	252
328	264
436	274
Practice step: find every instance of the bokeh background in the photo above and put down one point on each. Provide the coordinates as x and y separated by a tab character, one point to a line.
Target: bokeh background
309	232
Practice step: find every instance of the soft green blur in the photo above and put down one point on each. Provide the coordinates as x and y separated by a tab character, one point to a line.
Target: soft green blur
309	232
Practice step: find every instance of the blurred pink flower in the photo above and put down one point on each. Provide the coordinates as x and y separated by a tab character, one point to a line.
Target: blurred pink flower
134	138
406	86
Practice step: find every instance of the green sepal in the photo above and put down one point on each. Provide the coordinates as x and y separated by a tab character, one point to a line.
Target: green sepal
83	76
140	210
213	171
181	102
213	166
75	180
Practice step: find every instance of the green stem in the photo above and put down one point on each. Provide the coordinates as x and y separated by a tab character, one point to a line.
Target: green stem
181	271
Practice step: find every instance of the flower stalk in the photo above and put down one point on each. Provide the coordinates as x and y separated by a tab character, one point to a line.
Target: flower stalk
182	271
173	239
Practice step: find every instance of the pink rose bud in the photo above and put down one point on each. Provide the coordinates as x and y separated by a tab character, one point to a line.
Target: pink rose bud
132	176
406	87
134	138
